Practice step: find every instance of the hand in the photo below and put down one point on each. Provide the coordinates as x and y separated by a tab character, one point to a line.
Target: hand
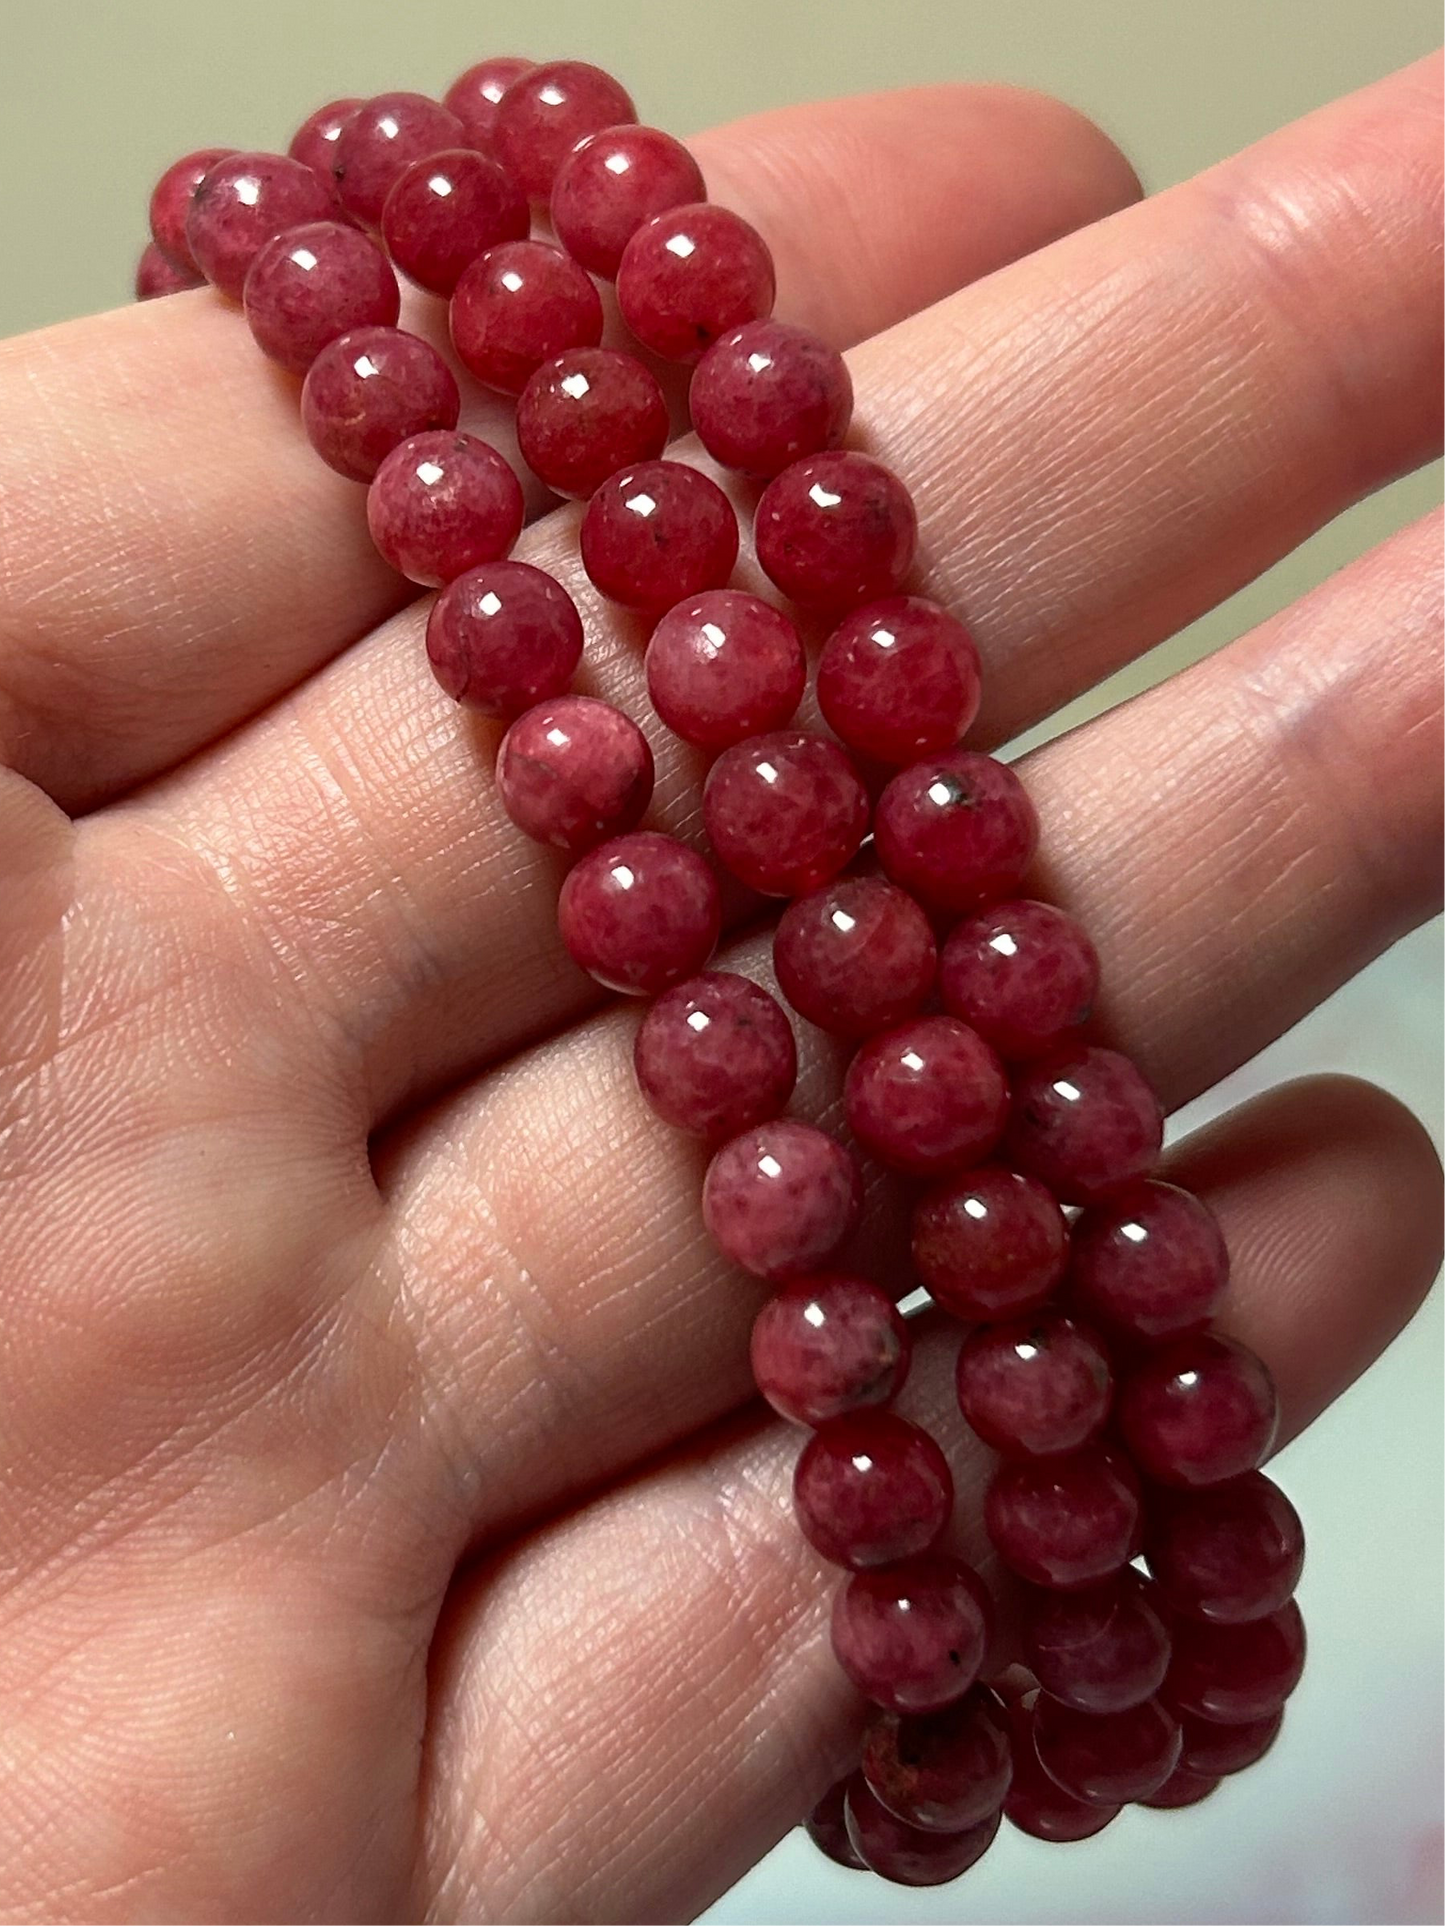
386	1530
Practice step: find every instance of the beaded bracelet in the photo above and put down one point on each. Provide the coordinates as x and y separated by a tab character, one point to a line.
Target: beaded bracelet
1156	1563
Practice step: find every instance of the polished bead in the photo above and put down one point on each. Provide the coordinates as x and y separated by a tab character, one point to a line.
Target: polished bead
1065	1522
586	413
157	274
380	140
1106	1757
723	666
1199	1411
1227	1554
782	1198
1035	1385
546	111
1035	1804
836	529
1099	1650
856	956
912	1636
1215	1750
690	275
614	181
313	283
1150	1262
1181	1788
827	1827
716	1055
828	1344
1083	1121
904	1854
518	305
1022	974
767	394
573	771
871	1488
475	95
502	637
171	199
941	1770
784	812
641	913
899	679
370	390
447	208
927	1096
656	533
314	142
442	503
1236	1674
991	1243
957	829
241	203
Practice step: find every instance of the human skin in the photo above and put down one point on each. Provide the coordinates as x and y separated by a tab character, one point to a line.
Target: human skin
387	1531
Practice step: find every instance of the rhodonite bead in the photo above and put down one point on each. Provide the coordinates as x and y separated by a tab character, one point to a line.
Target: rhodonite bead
370	390
1065	1522
927	1096
447	208
835	529
573	771
614	181
899	679
1084	1121
723	666
1236	1674
381	139
314	142
171	204
784	812
856	956
905	1854
1215	1750
766	394
716	1055
956	829
1229	1553
827	1827
586	413
656	533
1181	1788
691	274
871	1488
1021	973
942	1770
518	305
1150	1262
640	913
475	95
829	1344
1099	1650
243	202
1106	1757
912	1636
546	111
1200	1411
989	1244
312	283
502	637
157	274
442	503
781	1199
1035	1804
1034	1385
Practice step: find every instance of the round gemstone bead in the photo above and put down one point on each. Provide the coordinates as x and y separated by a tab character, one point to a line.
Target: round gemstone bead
836	529
829	1344
912	1636
1084	1121
585	414
313	283
1065	1522
1035	1804
614	181
518	305
502	637
899	679
927	1096
871	1488
1200	1411
314	142
723	666
1227	1554
1099	1650
690	275
370	390
905	1855
856	956
784	812
767	394
827	1827
1150	1263
716	1055
1035	1385
1181	1788
943	1770
641	913
171	199
1106	1757
546	111
991	1243
1022	974
1237	1674
574	771
381	139
157	274
956	829
475	95
442	503
656	533
781	1199
241	203
447	208
1214	1750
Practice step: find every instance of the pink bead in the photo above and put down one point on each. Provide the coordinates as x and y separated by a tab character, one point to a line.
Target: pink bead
656	533
690	275
766	394
899	679
1201	1410
912	1637
241	203
1227	1554
926	1097
156	274
314	142
1216	1750
546	111
1034	1385
641	913
871	1488
827	1827
170	207
854	957
1084	1122
716	1055
502	637
587	413
447	208
1022	974
614	181
906	1856
442	503
1099	1650
1034	1803
380	140
956	829
313	283
943	1770
784	812
574	771
836	529
828	1344
1108	1758
723	666
1237	1674
1181	1788
1065	1522
1150	1263
781	1199
990	1243
371	389
518	305
475	95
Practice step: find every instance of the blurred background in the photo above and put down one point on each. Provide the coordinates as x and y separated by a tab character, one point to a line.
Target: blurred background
1342	1821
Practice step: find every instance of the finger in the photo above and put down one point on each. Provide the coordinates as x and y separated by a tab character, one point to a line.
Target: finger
665	1721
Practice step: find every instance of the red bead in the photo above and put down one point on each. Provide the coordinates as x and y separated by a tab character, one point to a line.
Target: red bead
904	1854
546	111
1035	1385
1034	1803
1201	1410
716	1055
767	394
380	140
1022	974
502	637
827	1827
442	503
244	201
871	1488
1215	1750
518	305
156	274
829	1344
1227	1554
1099	1650
1151	1262
614	181
170	206
784	812
1065	1522
370	390
574	771
956	829
990	1243
854	957
314	142
585	414
690	275
899	679
836	529
943	1770
1181	1788
475	95
1106	1757
640	913
912	1637
781	1199
927	1096
724	666
1237	1674
447	208
313	283
656	533
1084	1121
